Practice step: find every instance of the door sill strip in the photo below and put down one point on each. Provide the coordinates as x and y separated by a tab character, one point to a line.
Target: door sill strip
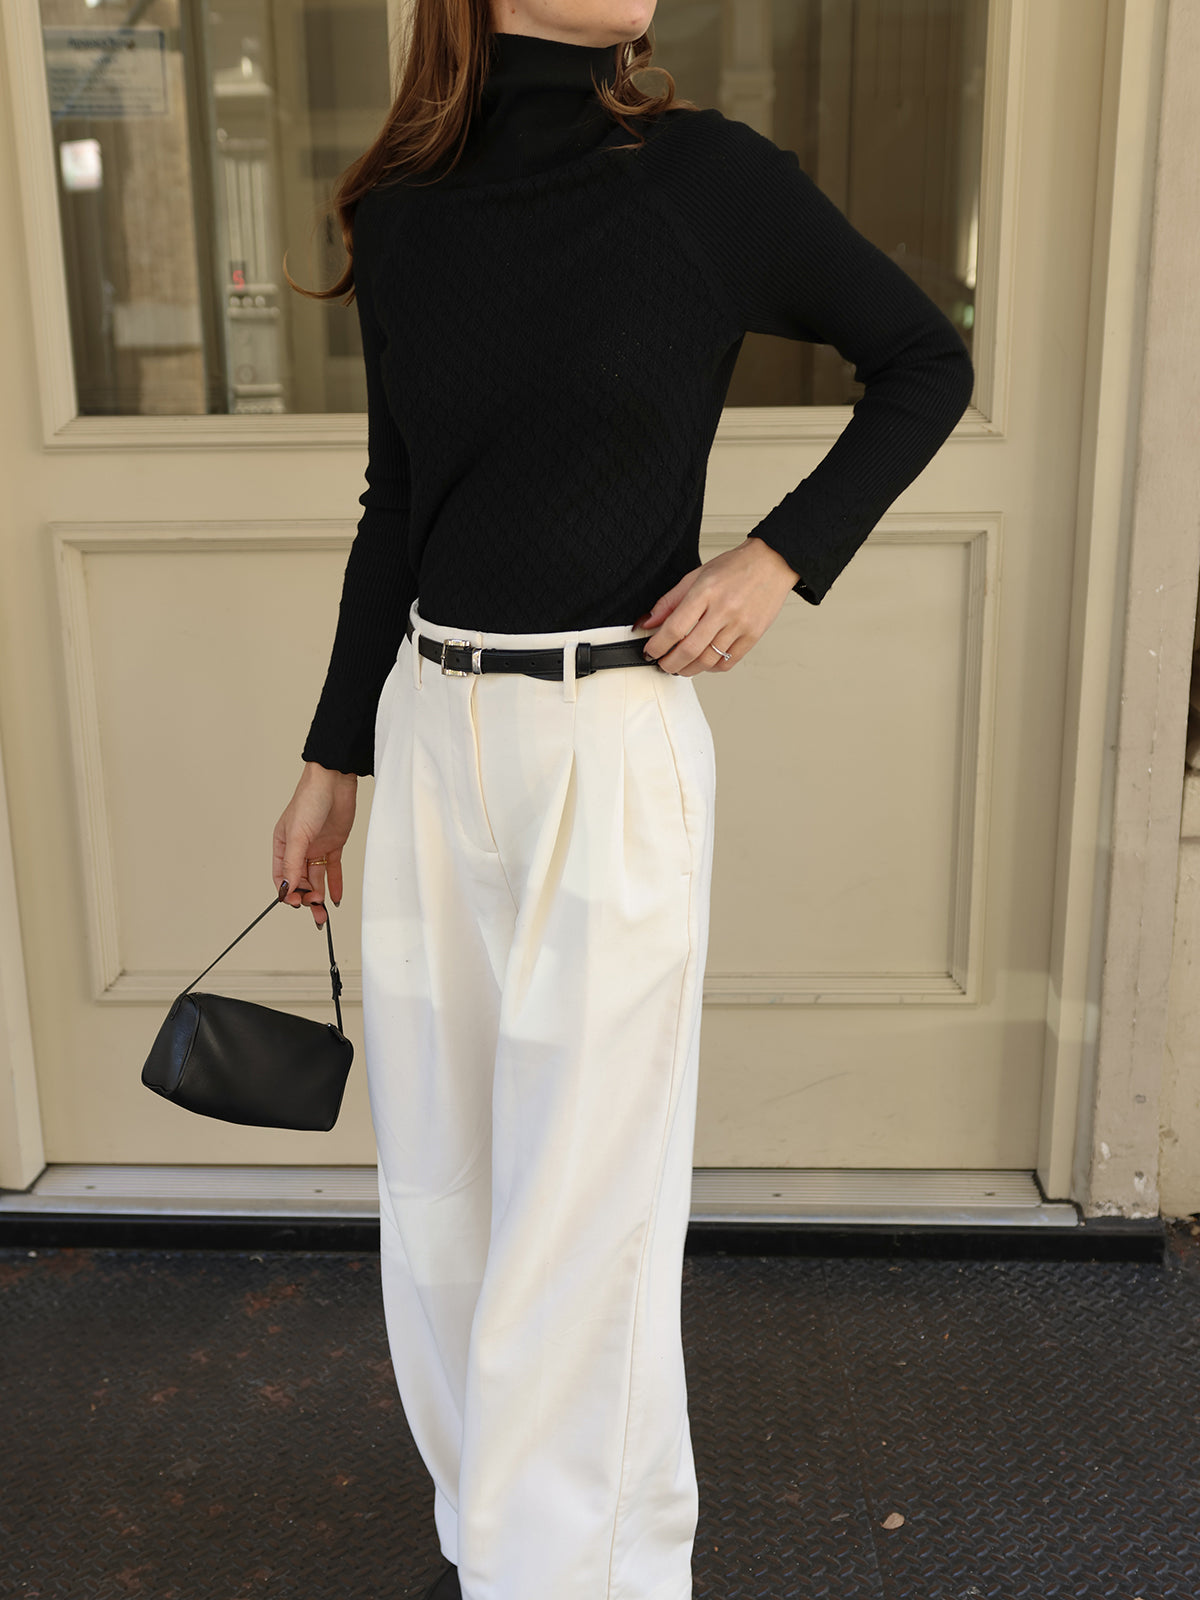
751	1196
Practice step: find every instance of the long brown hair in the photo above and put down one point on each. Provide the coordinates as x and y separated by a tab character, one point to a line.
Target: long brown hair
446	51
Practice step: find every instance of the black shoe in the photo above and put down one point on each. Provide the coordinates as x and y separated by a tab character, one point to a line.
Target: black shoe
446	1587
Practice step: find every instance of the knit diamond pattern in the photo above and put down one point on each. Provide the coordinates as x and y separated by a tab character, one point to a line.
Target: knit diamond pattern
547	357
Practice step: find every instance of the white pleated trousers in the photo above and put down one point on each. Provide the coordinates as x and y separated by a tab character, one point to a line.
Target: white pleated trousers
535	921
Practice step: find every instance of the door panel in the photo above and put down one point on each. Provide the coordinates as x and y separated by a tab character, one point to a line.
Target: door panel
888	762
816	903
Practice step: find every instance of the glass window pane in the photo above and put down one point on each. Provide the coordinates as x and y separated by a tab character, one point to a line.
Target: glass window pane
882	101
196	141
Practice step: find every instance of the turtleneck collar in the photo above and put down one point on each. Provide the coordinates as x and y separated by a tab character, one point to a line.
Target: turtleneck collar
523	61
538	108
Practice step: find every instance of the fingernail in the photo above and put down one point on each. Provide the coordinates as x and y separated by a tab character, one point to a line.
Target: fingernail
337	902
283	888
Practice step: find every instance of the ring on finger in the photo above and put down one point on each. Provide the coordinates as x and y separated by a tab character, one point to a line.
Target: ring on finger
719	651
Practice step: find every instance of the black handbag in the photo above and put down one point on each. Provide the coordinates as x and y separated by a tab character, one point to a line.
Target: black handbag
245	1062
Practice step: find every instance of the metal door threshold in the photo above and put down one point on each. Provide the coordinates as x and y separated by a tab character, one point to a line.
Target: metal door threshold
898	1197
970	1198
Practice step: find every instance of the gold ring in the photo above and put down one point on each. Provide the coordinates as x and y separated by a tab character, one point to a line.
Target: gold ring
316	861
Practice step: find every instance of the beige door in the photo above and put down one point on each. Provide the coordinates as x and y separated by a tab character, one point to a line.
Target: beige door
186	462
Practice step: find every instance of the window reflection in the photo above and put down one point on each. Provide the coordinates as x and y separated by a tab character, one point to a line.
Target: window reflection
882	101
196	140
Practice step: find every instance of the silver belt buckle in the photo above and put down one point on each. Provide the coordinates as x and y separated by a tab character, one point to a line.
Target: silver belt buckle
455	672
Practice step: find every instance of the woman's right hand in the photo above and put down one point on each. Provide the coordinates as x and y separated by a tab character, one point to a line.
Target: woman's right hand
317	822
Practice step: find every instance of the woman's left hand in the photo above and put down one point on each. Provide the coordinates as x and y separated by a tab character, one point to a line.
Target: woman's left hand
729	602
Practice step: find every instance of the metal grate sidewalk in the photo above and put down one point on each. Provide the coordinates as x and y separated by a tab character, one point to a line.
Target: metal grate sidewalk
208	1425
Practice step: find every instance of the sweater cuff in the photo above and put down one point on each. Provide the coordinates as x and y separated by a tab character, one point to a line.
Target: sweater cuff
330	744
805	586
352	771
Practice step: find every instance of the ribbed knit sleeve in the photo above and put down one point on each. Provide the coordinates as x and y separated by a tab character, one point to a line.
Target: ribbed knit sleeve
788	262
379	584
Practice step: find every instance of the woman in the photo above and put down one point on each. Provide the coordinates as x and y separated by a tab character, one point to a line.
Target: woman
554	272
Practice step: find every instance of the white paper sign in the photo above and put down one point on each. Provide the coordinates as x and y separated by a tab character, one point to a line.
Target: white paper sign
106	72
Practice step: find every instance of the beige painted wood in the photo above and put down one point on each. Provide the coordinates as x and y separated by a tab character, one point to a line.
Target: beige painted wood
1179	1109
891	762
21	1152
1179	1163
1119	1156
909	917
134	857
1127	140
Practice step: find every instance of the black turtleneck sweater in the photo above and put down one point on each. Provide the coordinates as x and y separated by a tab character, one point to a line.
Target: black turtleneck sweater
549	330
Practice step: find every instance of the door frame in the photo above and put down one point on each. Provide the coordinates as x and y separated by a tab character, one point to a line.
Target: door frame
1118	859
22	1154
1138	562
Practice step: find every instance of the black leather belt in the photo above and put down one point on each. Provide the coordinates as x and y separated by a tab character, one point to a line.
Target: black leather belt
459	658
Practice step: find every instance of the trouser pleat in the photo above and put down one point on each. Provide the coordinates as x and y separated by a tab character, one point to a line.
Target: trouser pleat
535	917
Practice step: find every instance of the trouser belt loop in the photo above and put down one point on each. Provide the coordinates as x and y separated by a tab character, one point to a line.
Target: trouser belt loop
415	639
568	673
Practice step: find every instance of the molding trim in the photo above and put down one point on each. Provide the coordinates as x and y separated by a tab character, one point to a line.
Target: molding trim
337	430
1119	1154
38	178
1189	824
1127	136
752	425
22	1153
1004	92
820	425
832	989
961	981
112	983
72	541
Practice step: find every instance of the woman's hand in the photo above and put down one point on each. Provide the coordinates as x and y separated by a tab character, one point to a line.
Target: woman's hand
729	601
317	822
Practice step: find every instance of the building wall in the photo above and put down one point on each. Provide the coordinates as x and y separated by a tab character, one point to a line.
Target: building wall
1180	1117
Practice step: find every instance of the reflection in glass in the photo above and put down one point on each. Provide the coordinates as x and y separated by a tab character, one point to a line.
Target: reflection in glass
196	141
882	101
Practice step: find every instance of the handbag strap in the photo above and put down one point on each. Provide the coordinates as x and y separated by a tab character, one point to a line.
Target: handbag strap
335	977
